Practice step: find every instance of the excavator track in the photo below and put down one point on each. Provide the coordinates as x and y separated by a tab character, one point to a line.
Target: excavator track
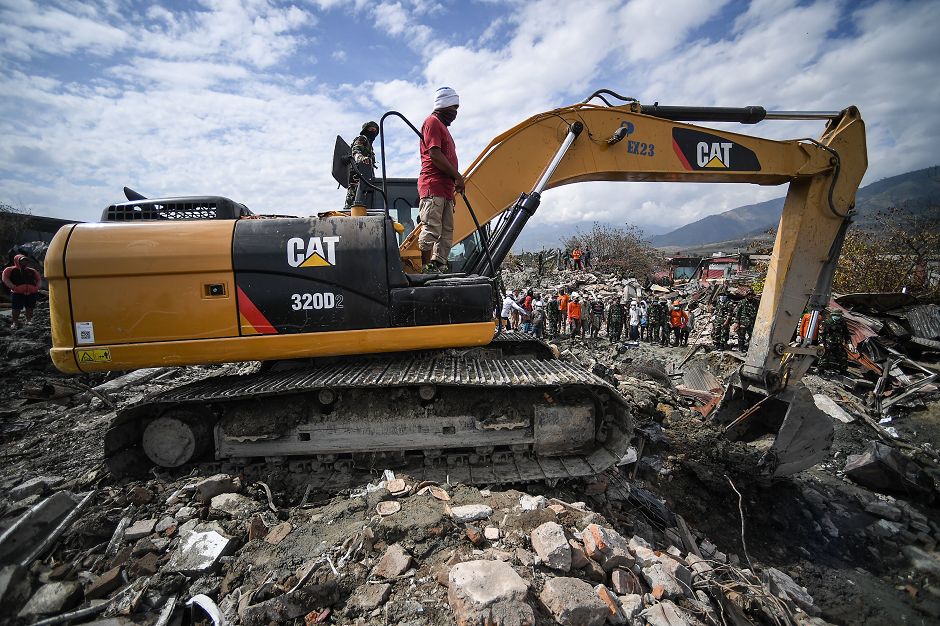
444	418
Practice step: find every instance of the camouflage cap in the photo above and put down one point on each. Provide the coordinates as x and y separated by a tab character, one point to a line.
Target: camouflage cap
370	124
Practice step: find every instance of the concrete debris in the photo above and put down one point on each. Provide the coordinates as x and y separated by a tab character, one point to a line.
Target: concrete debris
52	599
395	562
781	585
140	529
573	602
488	592
550	543
210	487
39	484
198	552
235	504
470	513
665	614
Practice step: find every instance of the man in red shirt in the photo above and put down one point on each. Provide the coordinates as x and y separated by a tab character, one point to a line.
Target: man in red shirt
438	181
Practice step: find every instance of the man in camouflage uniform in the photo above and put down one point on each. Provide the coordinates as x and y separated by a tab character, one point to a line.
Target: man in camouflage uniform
833	333
654	320
744	315
666	324
362	155
614	320
721	322
553	312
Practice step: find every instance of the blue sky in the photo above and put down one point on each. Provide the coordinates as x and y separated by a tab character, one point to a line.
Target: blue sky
245	98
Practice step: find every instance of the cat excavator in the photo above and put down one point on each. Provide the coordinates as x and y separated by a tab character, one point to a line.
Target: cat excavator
376	365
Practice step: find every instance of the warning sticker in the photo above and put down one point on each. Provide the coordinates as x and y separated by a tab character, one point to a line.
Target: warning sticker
100	355
84	332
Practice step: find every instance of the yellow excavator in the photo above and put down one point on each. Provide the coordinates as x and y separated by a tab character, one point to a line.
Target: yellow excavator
377	365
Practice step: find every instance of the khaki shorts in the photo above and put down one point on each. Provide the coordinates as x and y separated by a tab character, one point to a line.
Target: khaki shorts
437	227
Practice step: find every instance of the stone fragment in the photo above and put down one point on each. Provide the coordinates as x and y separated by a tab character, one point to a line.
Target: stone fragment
164	524
921	561
677	570
104	584
52	599
883	528
656	574
595	572
884	510
573	602
491	533
370	597
185	514
607	547
198	553
782	586
289	606
631	605
615	614
14	586
470	513
210	487
526	558
532	503
235	504
147	565
625	582
474	535
701	570
488	592
665	614
559	510
707	548
257	529
278	533
139	496
395	562
579	557
35	485
550	543
123	556
139	530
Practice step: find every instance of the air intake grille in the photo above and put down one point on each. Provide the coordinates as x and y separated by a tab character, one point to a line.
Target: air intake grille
168	211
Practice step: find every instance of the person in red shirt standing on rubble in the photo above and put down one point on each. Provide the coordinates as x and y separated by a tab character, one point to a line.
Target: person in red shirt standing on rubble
678	320
23	282
438	181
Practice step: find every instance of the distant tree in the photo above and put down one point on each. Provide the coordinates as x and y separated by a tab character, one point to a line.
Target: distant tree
13	221
626	248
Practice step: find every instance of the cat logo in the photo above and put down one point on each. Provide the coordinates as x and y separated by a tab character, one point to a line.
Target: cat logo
703	151
311	253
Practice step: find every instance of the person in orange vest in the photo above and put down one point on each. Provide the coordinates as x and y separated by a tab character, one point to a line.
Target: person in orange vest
678	319
804	327
577	259
574	315
563	301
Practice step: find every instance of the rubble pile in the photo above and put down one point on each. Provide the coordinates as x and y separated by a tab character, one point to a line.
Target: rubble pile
682	531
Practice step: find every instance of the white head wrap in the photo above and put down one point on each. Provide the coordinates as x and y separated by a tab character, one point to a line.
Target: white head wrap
445	97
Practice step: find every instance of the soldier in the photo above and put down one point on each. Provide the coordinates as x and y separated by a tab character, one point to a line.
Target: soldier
597	317
553	314
614	320
654	320
362	154
744	315
665	324
721	322
832	336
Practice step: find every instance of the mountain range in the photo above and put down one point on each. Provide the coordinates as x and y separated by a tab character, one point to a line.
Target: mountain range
916	188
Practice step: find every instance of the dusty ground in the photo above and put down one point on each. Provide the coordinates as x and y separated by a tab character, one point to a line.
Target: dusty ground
812	526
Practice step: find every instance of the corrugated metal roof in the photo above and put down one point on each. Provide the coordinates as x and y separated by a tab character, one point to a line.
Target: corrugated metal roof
924	320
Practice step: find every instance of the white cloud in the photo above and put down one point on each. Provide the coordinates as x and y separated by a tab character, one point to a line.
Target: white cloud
28	28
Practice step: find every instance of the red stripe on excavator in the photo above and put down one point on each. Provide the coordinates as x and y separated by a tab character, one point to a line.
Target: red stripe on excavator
685	162
254	317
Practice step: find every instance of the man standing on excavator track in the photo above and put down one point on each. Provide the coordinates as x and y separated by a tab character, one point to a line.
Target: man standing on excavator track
438	181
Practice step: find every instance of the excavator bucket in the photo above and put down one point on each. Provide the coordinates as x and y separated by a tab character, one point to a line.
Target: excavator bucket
803	436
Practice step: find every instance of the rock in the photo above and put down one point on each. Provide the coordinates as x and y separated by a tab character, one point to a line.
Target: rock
579	557
665	614
139	496
573	602
257	529
526	558
123	556
883	528
370	597
607	547
144	566
139	530
884	510
491	533
35	485
104	584
625	582
782	586
198	553
488	592
470	513
700	568
395	562
550	543
532	503
707	548
474	535
631	605
921	561
657	574
278	533
164	525
615	614
185	514
235	504
642	554
14	586
678	571
52	599
210	487
595	572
